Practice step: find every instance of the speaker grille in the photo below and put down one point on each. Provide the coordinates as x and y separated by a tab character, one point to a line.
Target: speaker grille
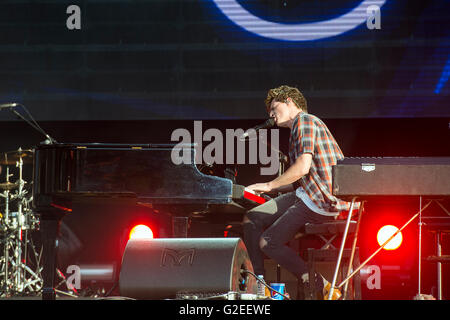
165	268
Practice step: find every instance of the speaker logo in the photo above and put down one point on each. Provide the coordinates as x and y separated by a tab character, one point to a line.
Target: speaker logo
177	256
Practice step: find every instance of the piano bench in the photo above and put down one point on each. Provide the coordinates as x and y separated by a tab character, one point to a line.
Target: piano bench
324	259
327	231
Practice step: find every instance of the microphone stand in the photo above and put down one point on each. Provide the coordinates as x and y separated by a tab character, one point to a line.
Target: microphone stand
283	161
282	158
33	124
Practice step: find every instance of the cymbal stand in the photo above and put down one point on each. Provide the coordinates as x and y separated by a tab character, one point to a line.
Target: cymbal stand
18	276
20	226
6	196
4	265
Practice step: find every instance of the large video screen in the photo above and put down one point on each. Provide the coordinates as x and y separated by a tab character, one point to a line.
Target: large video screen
216	59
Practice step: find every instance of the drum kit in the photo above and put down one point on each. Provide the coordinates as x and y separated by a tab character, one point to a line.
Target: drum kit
20	260
20	247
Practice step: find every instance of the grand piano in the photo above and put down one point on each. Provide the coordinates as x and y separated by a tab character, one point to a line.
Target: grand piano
144	173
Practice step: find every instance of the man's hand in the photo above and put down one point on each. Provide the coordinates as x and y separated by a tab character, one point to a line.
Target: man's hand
284	182
260	187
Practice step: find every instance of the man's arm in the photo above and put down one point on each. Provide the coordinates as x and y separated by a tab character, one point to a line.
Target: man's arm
300	168
284	189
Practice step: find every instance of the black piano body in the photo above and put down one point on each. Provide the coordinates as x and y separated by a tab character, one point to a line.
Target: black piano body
149	174
145	172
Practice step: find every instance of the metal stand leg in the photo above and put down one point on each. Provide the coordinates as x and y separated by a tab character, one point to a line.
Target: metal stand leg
420	248
344	237
382	246
278	273
439	265
352	255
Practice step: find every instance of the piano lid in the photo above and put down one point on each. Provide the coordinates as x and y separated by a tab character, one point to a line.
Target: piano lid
146	170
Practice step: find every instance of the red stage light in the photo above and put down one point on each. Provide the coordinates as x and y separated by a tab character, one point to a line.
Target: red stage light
385	233
141	231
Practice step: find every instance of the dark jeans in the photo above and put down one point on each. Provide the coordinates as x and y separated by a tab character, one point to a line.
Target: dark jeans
277	221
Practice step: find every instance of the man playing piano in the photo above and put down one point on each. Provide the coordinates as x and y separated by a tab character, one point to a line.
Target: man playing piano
306	185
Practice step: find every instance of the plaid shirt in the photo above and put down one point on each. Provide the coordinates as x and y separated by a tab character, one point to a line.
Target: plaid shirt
310	135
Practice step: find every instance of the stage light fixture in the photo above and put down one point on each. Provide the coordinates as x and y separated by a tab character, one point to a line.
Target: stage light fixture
385	232
141	231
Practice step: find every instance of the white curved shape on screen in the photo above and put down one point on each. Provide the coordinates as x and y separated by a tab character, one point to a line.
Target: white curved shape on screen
296	32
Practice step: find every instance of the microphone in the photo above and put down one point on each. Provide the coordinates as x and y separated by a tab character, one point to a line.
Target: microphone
8	105
268	124
31	122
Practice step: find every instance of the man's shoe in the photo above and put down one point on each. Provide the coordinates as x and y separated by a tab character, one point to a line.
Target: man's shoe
322	287
326	291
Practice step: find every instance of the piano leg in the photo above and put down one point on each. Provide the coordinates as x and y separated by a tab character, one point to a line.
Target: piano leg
49	228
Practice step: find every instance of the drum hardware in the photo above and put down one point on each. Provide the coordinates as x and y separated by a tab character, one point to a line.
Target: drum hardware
12	157
20	257
17	276
20	262
8	186
20	265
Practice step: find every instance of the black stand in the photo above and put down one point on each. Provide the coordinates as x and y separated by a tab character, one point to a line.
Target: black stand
49	225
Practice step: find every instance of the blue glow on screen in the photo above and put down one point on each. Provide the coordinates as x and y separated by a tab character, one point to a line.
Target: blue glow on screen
400	70
444	77
234	11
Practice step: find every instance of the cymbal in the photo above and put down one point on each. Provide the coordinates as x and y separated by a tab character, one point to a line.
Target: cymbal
11	157
8	185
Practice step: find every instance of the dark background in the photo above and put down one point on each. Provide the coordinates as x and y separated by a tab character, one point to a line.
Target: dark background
173	59
137	70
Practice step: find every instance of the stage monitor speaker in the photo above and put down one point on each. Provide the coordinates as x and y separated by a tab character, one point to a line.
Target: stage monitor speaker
166	268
